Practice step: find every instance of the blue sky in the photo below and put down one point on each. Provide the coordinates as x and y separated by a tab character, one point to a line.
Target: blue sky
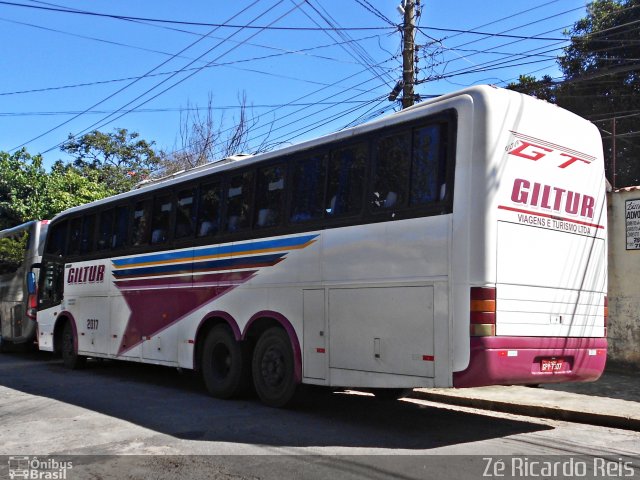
69	73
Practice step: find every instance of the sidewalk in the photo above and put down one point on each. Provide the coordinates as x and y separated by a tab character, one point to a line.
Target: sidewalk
612	401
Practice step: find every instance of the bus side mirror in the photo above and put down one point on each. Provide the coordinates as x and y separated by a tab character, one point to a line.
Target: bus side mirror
31	283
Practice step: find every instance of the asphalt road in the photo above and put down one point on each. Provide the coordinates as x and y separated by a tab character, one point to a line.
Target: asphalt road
167	427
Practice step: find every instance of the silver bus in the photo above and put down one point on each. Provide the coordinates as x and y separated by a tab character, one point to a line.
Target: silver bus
20	247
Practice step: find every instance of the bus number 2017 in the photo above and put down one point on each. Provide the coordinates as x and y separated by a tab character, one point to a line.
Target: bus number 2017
92	324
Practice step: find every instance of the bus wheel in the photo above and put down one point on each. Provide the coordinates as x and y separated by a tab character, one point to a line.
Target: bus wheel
390	394
273	368
223	363
70	356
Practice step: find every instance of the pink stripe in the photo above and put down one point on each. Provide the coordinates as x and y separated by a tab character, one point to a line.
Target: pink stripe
555	145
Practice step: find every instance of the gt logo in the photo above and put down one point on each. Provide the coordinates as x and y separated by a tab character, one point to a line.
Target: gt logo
534	149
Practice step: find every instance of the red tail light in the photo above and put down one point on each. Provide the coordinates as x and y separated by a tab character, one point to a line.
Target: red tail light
483	311
32	306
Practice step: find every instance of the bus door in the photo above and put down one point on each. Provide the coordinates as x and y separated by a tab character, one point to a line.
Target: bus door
51	290
87	300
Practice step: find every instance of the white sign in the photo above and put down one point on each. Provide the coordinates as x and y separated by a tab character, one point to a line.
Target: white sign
632	221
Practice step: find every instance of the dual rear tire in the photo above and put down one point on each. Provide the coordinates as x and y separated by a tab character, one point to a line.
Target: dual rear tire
227	367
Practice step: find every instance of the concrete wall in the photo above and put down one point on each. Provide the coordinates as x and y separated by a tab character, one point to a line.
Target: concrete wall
624	284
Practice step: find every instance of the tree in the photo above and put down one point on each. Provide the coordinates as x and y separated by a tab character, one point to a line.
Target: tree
204	140
23	185
120	158
602	82
28	192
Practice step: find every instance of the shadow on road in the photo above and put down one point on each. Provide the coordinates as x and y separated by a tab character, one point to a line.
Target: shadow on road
168	402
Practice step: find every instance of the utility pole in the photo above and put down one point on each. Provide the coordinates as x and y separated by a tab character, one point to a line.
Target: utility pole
408	72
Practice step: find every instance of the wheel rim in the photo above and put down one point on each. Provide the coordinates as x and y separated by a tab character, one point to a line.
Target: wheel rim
273	367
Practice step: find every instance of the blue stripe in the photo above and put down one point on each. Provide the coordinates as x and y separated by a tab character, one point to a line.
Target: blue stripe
227	263
217	250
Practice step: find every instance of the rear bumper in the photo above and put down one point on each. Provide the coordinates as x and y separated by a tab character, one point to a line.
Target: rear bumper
517	360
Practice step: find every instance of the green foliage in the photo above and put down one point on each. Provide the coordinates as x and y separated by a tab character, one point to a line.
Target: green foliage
28	192
602	82
12	252
23	182
119	159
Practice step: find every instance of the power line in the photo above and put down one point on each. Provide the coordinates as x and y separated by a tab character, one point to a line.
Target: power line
367	6
361	55
125	87
101	123
176	109
178	22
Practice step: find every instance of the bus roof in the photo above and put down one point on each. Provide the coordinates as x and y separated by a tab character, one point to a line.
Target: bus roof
20	228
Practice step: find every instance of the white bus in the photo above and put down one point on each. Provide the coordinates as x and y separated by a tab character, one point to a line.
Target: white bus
20	247
459	242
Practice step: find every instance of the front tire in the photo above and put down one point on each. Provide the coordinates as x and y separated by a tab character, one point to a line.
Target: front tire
274	368
70	356
224	367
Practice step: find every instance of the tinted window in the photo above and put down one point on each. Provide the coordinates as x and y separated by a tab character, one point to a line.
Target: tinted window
269	196
57	239
209	210
75	232
160	219
238	201
428	174
185	213
88	231
51	284
391	171
105	230
346	179
140	225
121	228
307	202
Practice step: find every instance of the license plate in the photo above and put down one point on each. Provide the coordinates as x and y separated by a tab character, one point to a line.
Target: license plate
551	364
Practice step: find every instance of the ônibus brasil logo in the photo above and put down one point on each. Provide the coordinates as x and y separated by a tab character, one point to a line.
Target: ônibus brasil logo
38	469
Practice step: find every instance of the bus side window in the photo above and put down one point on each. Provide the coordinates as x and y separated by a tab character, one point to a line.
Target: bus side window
75	233
88	231
52	283
140	226
346	180
105	230
121	229
309	176
160	219
238	201
209	210
57	239
269	196
391	171
185	213
428	174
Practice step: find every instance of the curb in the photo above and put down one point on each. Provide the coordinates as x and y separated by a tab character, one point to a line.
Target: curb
590	418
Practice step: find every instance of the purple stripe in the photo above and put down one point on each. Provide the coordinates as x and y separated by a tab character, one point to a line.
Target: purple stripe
228	278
